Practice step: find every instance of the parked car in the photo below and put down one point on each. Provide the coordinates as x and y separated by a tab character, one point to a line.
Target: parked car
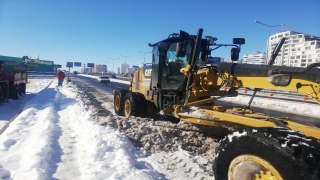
113	76
103	79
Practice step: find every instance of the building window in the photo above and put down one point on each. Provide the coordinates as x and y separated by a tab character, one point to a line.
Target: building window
299	49
303	60
295	41
292	57
291	61
293	49
305	44
293	53
303	52
304	56
309	60
294	37
318	60
318	51
297	57
312	43
300	36
307	48
280	36
303	64
293	45
309	56
318	55
295	61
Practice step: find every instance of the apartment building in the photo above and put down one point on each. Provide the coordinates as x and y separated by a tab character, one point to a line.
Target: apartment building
256	58
298	50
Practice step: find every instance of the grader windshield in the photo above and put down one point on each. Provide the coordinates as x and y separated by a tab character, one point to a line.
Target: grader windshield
171	77
167	64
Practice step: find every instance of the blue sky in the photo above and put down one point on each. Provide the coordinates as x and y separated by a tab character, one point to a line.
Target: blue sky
96	30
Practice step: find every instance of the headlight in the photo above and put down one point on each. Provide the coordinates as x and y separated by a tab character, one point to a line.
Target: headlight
280	79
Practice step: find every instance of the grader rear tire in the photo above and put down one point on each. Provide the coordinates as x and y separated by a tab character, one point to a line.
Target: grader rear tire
118	103
134	105
265	153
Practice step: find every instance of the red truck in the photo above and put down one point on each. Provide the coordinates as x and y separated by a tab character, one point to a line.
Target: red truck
12	82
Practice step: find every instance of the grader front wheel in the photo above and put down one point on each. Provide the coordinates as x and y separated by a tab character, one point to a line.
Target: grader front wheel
261	154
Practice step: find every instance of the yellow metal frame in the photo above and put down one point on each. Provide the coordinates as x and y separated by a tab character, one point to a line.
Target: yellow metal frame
206	83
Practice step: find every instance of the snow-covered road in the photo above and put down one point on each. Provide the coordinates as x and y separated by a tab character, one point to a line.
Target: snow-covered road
58	135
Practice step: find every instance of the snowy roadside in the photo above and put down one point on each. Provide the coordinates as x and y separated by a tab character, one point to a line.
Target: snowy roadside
73	133
56	137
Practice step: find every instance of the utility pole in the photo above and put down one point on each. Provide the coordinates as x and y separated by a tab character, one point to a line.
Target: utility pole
125	62
113	63
84	67
144	56
267	51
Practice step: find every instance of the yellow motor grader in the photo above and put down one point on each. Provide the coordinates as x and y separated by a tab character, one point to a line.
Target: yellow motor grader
184	82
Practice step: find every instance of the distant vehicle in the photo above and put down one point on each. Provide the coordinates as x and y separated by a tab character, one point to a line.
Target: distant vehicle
113	76
103	79
75	72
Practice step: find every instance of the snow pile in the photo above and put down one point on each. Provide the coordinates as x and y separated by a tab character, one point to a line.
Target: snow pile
198	113
67	133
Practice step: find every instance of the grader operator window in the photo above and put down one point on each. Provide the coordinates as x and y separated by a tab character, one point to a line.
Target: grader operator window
172	78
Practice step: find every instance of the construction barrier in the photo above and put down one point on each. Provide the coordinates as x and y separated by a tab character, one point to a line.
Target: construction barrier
305	97
245	92
271	94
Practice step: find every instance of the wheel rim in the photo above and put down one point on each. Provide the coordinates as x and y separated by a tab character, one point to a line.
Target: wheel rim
117	103
252	167
127	108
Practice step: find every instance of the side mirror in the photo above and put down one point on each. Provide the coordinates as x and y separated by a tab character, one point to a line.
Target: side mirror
239	41
235	54
180	49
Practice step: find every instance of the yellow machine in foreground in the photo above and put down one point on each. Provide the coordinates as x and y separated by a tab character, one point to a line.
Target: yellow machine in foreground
182	81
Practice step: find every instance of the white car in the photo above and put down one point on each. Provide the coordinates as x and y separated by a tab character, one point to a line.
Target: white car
103	79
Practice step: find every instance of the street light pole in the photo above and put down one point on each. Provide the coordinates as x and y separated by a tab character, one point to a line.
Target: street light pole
267	51
113	63
125	61
144	56
105	62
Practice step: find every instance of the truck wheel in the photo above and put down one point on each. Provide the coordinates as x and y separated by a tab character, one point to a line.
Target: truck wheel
23	88
14	92
265	154
134	105
119	101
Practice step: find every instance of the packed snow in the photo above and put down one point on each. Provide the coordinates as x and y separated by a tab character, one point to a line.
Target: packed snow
56	135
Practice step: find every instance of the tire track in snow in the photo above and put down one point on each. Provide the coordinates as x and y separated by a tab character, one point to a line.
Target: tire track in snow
67	168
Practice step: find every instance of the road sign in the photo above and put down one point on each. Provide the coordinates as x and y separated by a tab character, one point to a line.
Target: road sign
70	64
78	64
90	65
